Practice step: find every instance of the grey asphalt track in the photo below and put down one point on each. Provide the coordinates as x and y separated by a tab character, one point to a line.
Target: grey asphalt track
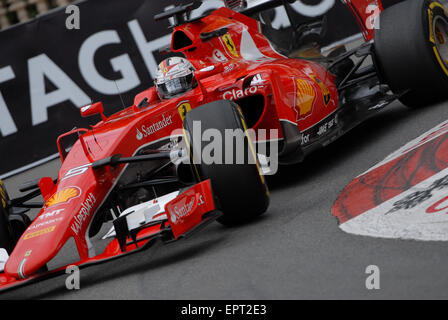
295	251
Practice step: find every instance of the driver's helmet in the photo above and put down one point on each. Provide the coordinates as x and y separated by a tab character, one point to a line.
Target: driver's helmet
174	76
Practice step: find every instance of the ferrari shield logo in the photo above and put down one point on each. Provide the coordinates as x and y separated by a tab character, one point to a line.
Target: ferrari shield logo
325	92
183	108
228	42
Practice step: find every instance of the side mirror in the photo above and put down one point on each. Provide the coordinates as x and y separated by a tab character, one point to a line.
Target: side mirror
208	71
93	109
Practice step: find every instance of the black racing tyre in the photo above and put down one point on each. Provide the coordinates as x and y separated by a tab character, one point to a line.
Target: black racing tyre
411	49
240	188
6	238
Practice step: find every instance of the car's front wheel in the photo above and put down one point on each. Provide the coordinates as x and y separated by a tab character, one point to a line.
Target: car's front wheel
239	185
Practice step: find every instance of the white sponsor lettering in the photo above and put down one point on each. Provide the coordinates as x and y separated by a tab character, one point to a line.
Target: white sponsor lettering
257	79
219	56
182	211
83	214
45	223
305	139
239	93
50	214
229	67
326	126
146	131
139	135
322	129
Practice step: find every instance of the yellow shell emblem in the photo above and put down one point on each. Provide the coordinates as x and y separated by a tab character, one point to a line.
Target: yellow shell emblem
305	96
63	196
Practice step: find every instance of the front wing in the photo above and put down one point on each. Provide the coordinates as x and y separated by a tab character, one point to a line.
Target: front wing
189	212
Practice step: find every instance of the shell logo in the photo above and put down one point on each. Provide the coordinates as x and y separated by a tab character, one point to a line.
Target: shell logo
63	196
305	96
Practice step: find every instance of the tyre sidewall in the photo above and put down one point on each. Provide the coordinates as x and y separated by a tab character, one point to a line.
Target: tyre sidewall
405	53
241	189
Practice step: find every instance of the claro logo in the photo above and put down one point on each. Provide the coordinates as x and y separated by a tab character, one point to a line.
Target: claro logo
239	93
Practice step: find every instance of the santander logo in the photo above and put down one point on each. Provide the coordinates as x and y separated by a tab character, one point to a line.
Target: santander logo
139	135
146	131
182	211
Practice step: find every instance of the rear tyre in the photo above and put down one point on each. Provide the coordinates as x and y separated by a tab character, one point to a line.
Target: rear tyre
411	49
240	188
6	234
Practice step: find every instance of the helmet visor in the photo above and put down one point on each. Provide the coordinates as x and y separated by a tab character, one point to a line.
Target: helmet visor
175	86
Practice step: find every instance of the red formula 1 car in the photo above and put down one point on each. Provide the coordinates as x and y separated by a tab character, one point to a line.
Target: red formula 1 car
135	169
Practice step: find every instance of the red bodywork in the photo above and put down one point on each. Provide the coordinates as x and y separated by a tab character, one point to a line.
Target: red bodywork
295	91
